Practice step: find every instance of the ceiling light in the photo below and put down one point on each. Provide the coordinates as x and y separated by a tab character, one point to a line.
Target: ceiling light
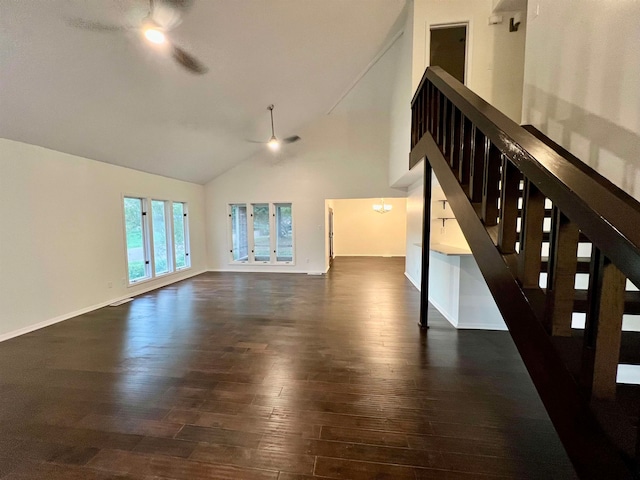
155	36
274	144
382	208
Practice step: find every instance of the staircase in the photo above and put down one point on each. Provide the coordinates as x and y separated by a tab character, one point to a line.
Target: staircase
553	239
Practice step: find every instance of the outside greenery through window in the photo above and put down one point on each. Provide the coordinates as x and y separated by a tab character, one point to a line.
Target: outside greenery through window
136	236
181	235
261	237
161	258
284	221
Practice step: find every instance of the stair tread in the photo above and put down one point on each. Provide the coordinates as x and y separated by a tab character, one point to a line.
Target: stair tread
631	302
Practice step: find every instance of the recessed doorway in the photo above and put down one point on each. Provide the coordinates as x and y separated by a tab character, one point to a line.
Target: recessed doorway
448	49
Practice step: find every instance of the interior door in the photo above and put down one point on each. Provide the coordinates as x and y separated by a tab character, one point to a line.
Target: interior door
330	236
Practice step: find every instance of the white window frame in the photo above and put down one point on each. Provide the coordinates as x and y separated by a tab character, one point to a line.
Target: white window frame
147	238
251	260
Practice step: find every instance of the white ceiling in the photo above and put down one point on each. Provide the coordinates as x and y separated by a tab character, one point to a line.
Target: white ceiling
114	98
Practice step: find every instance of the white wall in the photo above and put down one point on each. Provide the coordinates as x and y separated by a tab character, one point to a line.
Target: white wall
444	285
413	262
495	58
495	68
62	235
581	82
447	232
400	134
361	231
478	309
341	155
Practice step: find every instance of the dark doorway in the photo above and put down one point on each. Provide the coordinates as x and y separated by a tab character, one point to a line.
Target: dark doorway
448	49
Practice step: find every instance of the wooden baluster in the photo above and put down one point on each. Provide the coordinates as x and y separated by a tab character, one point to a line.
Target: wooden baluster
438	117
465	154
446	128
442	121
419	116
490	191
561	274
507	228
454	151
427	98
413	127
480	146
415	123
603	328
434	110
531	235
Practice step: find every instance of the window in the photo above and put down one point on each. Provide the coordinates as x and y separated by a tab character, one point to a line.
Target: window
284	243
161	242
261	233
181	235
136	239
239	240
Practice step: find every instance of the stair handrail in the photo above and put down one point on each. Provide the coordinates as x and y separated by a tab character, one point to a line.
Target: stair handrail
609	217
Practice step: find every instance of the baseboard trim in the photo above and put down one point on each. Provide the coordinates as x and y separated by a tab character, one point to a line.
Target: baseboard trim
264	270
414	282
82	311
482	326
367	255
444	313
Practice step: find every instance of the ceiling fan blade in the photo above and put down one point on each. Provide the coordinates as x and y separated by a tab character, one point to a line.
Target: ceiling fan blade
188	61
292	139
182	5
95	26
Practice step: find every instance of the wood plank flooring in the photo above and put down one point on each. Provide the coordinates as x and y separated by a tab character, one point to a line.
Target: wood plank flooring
266	376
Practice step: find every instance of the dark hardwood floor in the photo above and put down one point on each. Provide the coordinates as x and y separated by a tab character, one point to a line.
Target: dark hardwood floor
265	376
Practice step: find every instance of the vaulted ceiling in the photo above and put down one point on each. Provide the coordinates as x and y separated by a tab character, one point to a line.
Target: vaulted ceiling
111	96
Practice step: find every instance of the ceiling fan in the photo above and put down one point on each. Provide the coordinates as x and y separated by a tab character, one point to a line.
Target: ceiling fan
274	142
155	31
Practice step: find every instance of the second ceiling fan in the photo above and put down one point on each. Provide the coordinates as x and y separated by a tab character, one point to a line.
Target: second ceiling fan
274	142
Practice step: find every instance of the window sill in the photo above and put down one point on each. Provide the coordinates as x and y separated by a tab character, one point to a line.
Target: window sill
164	275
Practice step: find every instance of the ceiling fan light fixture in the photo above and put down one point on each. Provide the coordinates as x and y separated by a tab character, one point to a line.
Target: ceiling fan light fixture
274	143
155	35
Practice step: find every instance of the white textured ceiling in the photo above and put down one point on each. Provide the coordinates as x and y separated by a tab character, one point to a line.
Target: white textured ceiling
111	97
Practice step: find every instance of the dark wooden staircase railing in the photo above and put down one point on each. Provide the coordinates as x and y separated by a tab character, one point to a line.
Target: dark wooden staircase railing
517	195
